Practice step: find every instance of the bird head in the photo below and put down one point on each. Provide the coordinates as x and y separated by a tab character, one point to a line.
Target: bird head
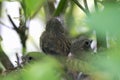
55	25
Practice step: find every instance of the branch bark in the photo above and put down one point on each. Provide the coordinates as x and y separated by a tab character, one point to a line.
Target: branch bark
21	31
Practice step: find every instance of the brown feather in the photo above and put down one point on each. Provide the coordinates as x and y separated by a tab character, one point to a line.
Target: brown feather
53	40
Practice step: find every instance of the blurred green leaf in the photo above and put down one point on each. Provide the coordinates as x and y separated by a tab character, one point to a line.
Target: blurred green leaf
61	7
13	75
46	69
31	7
108	61
107	20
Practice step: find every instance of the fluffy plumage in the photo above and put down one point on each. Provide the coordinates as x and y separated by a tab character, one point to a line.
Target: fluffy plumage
80	46
53	40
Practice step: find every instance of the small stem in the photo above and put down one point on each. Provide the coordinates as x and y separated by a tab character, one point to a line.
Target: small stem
18	61
15	27
61	7
86	6
80	6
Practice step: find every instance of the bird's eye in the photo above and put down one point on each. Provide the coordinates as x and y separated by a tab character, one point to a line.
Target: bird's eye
87	43
30	58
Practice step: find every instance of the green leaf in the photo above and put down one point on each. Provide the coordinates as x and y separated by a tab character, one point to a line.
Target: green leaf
107	20
32	7
61	7
108	61
46	69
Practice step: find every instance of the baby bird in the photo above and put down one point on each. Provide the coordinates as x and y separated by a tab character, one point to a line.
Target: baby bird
53	40
32	57
80	46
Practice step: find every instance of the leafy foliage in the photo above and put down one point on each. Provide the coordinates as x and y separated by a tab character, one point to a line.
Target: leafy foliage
31	7
45	69
101	66
107	20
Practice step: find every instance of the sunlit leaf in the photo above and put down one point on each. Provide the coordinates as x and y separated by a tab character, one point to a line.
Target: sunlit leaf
31	7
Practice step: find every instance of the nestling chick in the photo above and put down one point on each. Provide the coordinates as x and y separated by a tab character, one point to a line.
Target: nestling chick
80	46
53	40
32	56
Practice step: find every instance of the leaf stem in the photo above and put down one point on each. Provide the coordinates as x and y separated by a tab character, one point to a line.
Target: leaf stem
80	6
